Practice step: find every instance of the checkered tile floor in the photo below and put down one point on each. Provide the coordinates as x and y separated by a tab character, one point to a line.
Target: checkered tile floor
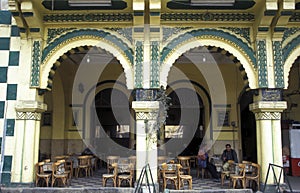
96	181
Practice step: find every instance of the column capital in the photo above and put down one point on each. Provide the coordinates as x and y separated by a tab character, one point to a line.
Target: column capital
146	110
30	106
268	106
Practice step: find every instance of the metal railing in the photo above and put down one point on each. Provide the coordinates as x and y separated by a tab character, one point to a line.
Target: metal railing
277	178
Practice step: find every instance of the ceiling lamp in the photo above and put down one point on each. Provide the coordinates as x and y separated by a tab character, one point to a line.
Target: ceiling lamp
212	2
89	3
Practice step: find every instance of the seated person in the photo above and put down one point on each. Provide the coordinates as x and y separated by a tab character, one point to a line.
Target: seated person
228	154
203	162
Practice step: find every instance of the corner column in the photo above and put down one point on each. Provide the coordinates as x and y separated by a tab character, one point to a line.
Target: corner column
269	148
146	135
27	140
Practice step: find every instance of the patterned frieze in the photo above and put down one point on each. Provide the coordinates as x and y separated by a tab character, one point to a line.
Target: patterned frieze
241	17
126	32
56	32
146	115
168	32
91	17
139	57
278	64
243	32
35	65
267	116
289	32
262	64
28	116
155	65
212	34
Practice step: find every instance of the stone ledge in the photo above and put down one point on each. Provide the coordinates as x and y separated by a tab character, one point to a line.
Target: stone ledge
67	190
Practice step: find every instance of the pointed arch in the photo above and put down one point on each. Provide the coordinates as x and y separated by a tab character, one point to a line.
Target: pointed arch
80	38
209	37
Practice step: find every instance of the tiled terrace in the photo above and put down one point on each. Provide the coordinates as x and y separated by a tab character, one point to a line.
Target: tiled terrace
94	184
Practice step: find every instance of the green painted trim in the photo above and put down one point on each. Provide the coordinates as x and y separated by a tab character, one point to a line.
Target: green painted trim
263	29
155	29
138	29
90	32
35	65
154	13
262	64
138	13
270	12
208	32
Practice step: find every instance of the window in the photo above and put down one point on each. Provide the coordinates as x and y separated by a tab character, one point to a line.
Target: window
174	131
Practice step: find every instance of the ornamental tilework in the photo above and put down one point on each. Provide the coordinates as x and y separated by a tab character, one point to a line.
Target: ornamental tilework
155	65
35	66
278	65
9	61
262	64
213	33
139	57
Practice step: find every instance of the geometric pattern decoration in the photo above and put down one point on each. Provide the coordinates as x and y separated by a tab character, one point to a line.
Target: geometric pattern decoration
278	64
55	32
171	31
208	17
139	57
267	116
28	116
155	65
243	32
146	115
287	49
262	64
209	33
35	65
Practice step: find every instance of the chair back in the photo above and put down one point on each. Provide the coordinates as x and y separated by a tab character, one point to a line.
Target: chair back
242	169
255	170
58	168
184	161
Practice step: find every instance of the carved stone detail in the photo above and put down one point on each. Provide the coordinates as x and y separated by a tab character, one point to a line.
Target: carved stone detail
28	116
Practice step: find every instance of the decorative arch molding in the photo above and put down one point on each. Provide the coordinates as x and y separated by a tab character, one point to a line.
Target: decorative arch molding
79	38
173	52
291	58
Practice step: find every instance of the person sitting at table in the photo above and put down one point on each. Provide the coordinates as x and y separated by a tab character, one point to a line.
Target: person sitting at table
88	151
228	154
203	162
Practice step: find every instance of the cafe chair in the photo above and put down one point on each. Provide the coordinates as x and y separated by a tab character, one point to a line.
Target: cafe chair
110	160
184	161
184	178
234	178
41	175
227	173
112	176
83	165
127	177
254	176
170	173
58	173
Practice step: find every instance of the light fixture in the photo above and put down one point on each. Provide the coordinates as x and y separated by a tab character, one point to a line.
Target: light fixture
88	58
203	58
89	3
212	2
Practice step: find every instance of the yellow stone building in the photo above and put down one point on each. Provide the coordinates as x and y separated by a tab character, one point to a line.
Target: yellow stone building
79	73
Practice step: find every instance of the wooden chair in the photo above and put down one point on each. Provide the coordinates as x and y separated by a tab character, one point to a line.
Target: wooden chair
184	178
184	161
234	178
230	171
127	177
58	173
110	160
254	176
112	176
83	164
66	168
170	173
40	175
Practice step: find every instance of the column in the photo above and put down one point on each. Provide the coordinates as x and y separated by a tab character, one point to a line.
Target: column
27	140
146	135
269	150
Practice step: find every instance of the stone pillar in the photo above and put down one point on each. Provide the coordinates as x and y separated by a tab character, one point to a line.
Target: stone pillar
269	148
146	136
27	140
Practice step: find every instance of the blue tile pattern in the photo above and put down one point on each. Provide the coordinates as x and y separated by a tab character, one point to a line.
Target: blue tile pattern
3	74
4	43
11	92
10	127
14	58
5	17
2	105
